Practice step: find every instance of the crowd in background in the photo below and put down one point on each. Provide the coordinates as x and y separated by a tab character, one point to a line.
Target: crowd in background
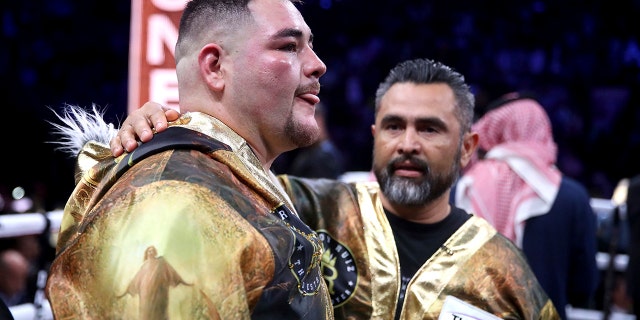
581	58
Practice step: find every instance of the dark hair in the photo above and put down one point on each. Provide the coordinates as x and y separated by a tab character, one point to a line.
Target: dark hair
199	17
424	71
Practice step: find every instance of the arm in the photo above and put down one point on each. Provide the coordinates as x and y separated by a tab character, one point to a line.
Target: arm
139	125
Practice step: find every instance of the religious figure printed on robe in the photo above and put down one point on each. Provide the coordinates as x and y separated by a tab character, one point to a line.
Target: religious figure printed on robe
152	283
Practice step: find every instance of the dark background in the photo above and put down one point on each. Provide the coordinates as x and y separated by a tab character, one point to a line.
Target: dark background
582	58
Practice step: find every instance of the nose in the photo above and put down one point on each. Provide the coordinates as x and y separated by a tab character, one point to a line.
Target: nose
409	143
314	67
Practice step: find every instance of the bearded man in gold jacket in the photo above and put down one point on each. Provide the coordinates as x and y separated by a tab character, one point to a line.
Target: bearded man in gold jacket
395	248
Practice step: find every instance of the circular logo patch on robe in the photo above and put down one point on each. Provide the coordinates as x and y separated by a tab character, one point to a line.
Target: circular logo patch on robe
339	269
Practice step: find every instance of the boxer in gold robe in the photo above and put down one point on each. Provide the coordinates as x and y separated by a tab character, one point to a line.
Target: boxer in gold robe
201	195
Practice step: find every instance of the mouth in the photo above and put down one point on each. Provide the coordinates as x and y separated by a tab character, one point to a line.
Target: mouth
310	98
309	93
408	169
407	173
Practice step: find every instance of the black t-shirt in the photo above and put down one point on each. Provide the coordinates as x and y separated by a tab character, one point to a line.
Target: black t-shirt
5	313
417	242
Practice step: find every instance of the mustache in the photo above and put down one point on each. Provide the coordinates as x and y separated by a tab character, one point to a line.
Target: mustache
313	87
414	161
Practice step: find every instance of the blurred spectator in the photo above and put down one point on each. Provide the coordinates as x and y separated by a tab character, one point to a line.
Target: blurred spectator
514	184
14	271
320	160
620	300
633	268
36	250
30	247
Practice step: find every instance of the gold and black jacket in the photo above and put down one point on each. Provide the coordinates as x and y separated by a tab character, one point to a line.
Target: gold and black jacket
476	265
187	226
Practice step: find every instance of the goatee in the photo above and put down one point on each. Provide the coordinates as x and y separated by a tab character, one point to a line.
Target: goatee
415	191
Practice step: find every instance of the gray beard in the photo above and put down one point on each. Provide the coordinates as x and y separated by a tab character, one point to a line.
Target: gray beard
402	191
417	192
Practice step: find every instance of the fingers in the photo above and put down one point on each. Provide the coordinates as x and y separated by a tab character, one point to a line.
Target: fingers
118	145
172	114
126	140
156	118
138	126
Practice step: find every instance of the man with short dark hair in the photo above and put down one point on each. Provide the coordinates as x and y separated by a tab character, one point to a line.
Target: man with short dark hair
201	196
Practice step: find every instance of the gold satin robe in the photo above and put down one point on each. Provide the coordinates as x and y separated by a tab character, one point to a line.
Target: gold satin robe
184	233
361	265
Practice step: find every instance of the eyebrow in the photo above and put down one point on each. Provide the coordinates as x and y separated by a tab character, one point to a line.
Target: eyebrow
290	32
433	121
391	118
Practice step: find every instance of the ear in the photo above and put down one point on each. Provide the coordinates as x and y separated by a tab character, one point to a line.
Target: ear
469	146
210	61
373	130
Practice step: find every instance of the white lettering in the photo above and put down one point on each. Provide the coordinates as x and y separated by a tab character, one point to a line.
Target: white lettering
169	5
283	214
160	33
163	87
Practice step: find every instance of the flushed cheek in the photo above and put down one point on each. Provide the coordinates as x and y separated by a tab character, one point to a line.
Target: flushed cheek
265	64
282	68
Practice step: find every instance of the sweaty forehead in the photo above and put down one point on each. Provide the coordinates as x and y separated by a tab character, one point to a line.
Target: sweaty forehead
277	14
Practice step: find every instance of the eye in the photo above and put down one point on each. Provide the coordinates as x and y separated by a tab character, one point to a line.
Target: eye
431	126
430	129
392	124
393	127
293	47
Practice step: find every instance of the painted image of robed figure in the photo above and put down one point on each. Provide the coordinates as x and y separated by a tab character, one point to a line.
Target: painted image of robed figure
152	284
